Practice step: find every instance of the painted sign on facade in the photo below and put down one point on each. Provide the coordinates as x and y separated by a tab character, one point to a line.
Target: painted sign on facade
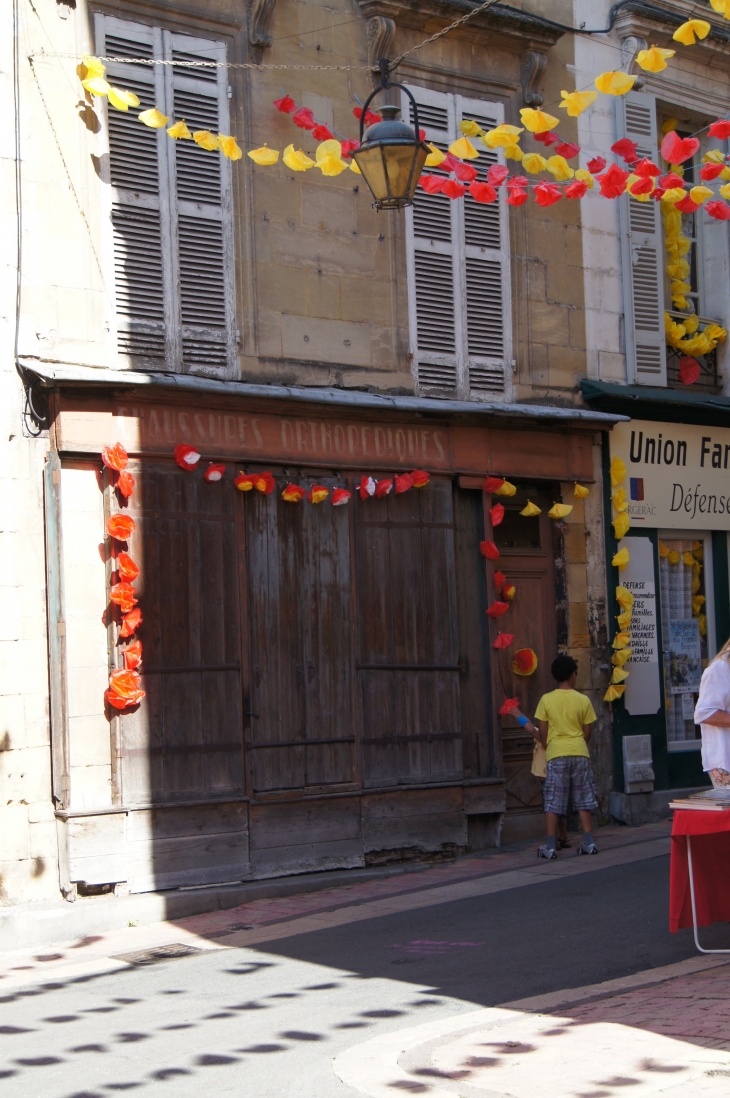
678	475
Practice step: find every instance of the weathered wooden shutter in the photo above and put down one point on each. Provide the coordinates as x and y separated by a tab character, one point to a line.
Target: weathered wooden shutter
458	256
641	253
170	209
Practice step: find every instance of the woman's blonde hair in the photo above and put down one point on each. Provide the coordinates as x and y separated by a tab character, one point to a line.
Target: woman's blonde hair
724	652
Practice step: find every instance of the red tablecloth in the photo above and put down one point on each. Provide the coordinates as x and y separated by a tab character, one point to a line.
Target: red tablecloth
710	836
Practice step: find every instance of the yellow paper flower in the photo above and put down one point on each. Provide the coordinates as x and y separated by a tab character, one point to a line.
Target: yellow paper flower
725	190
618	659
697	603
122	99
229	147
560	510
688	558
673	557
619	500
654	59
577	101
329	157
502	136
663	550
354	168
702	623
624	620
470	128
153	118
435	157
674	195
714	331
530	510
619	675
669	124
686	33
179	131
614	83
464	149
580	492
621	559
713	156
514	152
264	156
722	7
506	489
700	194
538	121
205	139
621	640
724	174
93	66
618	471
585	177
560	168
534	163
297	161
613	693
695	584
621	525
97	85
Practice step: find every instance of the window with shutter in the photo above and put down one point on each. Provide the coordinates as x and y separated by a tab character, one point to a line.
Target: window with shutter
641	250
170	206
458	268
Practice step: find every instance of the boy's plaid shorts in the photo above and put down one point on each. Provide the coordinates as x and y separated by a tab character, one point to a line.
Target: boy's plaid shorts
569	775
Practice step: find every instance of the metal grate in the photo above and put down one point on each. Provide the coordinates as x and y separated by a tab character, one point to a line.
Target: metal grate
435	302
202	282
484	315
198	170
132	146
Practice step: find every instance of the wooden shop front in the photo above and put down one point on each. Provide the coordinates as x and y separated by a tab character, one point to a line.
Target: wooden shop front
321	686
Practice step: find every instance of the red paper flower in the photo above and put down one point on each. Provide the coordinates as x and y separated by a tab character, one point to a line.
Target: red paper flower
403	482
504	640
711	171
719	210
293	493
576	189
517	197
370	118
597	164
613	181
432	184
525	662
121	527
687	206
499	578
114	457
547	194
567	149
125	689
626	149
244	482
127	568
483	192
497	609
497	174
497	514
322	133
646	169
510	703
642	186
304	119
689	370
133	655
670	181
348	147
516	181
340	496
420	478
465	173
548	138
264	482
720	129
452	189
214	473
676	149
125	484
492	484
186	456
318	493
124	595
383	488
489	550
366	487
508	592
286	104
131	622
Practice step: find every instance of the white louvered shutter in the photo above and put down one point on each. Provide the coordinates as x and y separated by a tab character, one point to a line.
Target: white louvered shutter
642	253
458	267
170	206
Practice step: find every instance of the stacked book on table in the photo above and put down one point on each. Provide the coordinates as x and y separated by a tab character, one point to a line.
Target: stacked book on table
709	800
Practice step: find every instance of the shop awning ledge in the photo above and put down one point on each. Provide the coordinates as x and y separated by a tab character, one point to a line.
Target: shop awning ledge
668	405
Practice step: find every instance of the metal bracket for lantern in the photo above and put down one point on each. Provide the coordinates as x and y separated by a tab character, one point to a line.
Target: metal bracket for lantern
392	156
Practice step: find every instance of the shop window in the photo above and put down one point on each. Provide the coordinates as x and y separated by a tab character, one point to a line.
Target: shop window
168	205
458	268
685	582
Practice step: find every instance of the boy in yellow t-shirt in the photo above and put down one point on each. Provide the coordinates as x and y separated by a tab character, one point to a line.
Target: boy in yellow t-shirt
565	718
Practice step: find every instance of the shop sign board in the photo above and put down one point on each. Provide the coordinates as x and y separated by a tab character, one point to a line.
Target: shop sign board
643	693
678	475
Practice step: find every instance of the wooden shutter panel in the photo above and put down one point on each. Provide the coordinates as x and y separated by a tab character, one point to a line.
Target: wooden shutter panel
642	253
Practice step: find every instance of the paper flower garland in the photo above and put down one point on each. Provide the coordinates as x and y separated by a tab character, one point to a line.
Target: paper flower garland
131	622
504	640
489	550
126	567
187	457
525	662
293	493
125	689
120	527
530	510
560	510
690	31
214	473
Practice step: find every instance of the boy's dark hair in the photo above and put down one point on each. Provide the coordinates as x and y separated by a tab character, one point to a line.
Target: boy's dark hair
563	667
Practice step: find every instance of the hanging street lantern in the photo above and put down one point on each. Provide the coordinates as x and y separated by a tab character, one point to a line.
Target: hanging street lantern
391	155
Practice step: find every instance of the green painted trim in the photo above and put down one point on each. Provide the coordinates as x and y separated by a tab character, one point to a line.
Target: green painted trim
721	583
662	405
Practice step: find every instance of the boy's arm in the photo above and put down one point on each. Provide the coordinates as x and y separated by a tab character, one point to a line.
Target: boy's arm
587	732
543	732
537	734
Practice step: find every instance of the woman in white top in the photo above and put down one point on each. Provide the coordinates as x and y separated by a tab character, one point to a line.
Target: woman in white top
712	713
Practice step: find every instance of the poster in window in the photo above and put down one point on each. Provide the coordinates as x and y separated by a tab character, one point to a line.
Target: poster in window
685	656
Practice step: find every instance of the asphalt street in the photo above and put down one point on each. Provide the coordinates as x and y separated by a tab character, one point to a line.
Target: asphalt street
268	1021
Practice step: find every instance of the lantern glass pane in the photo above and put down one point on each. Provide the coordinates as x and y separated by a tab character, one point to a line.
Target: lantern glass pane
370	163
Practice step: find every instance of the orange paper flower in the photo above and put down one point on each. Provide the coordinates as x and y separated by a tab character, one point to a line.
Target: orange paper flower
497	609
525	662
489	550
125	484
340	496
127	568
124	595
293	493
244	482
497	514
317	493
133	655
420	478
264	482
131	622
214	473
186	456
121	527
125	689
504	640
114	457
492	484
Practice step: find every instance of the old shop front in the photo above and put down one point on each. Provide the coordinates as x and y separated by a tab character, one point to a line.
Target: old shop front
320	684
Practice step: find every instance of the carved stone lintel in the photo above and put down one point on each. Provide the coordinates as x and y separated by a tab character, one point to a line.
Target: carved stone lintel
381	33
630	46
531	70
258	25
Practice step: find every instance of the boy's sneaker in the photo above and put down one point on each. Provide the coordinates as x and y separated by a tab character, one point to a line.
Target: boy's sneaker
590	849
546	852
